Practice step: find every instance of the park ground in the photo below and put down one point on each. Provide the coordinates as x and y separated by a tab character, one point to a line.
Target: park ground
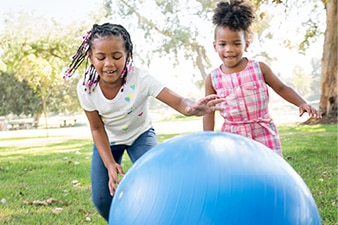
57	134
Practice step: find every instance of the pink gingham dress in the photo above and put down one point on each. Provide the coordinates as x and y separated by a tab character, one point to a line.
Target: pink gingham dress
246	105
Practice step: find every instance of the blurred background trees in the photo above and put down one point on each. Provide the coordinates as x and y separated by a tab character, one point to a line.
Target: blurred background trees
35	51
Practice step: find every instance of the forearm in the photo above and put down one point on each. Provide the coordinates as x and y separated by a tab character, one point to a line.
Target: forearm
175	101
209	122
102	144
291	96
187	106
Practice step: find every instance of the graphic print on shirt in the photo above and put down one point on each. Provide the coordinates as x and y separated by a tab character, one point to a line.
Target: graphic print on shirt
128	99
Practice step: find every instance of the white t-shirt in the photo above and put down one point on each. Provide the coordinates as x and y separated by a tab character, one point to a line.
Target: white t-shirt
126	116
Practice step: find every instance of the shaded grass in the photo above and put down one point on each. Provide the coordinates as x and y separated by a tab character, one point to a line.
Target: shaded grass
60	172
312	151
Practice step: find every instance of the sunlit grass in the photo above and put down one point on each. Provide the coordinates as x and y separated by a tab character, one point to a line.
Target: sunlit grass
59	172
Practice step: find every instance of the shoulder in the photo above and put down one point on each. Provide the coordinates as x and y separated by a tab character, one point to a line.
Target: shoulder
264	67
139	71
142	73
145	81
138	74
215	72
258	64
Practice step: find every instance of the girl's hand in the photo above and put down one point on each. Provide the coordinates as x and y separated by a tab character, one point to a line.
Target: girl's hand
313	113
204	106
113	172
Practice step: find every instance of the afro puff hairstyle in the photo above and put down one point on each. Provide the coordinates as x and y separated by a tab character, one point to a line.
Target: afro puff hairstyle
235	14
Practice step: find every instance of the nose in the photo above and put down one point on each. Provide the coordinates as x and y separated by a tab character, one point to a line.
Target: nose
228	48
109	62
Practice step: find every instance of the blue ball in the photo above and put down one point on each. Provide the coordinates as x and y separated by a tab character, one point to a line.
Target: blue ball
212	178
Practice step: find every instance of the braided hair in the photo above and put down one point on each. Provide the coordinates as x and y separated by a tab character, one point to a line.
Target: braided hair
234	14
91	77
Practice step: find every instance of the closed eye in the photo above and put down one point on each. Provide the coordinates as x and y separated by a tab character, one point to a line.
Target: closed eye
117	58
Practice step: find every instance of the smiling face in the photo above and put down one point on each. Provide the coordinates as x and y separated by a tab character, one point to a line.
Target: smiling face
108	55
230	46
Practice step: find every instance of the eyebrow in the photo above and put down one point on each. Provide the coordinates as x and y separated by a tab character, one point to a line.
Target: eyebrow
222	41
102	53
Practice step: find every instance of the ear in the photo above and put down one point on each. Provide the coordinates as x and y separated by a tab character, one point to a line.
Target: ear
214	43
89	55
247	44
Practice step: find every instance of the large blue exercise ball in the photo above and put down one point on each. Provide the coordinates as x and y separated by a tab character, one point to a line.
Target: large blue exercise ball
212	178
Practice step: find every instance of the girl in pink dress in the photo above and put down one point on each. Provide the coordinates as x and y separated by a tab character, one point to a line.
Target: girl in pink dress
242	82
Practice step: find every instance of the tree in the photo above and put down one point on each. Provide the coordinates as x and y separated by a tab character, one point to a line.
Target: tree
16	97
328	104
37	55
177	33
167	20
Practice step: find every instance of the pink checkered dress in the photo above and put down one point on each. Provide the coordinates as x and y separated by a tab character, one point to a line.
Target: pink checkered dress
246	105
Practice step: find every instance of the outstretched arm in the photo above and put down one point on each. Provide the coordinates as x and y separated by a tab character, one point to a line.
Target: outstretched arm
188	107
287	92
209	118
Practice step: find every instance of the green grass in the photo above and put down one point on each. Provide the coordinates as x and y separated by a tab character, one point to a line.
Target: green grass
59	172
312	152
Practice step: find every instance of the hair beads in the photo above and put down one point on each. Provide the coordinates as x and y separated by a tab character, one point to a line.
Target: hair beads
78	57
91	77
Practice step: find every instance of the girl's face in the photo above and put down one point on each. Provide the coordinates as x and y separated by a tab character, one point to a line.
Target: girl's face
108	55
230	46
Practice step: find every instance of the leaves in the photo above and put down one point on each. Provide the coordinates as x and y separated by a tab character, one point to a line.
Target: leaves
47	202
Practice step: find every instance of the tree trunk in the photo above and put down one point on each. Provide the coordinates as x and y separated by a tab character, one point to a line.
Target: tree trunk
328	98
36	120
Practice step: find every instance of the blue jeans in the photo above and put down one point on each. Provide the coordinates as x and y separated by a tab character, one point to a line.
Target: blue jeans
99	175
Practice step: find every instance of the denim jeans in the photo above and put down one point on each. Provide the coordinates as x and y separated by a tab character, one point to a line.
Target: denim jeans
99	175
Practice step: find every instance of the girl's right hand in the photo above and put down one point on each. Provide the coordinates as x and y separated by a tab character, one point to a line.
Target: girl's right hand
113	172
313	113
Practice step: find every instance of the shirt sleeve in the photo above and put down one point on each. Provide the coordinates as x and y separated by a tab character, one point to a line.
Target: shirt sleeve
154	86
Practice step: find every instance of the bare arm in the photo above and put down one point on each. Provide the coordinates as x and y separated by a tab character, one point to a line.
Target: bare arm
186	106
209	119
287	92
102	144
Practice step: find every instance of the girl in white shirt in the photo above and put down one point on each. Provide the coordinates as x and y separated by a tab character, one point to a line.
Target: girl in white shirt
114	96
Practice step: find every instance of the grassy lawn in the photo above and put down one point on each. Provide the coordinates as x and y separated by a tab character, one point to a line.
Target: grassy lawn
49	184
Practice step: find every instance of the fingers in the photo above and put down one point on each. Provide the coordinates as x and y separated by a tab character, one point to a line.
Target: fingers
301	112
112	187
205	105
215	102
313	113
114	179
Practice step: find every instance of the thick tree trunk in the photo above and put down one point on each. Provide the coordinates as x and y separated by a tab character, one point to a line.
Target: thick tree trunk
328	99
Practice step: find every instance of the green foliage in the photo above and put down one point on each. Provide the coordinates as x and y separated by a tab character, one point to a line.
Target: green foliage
177	29
39	56
171	30
38	49
17	97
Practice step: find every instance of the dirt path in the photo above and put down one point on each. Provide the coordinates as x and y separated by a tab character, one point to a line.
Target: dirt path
83	132
42	137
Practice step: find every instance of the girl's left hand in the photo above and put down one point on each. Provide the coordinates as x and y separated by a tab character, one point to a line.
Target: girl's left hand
204	106
313	113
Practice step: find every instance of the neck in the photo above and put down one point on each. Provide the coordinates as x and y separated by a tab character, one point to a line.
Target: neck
237	68
110	90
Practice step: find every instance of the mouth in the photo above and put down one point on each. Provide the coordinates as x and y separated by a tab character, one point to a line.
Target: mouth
229	56
110	71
